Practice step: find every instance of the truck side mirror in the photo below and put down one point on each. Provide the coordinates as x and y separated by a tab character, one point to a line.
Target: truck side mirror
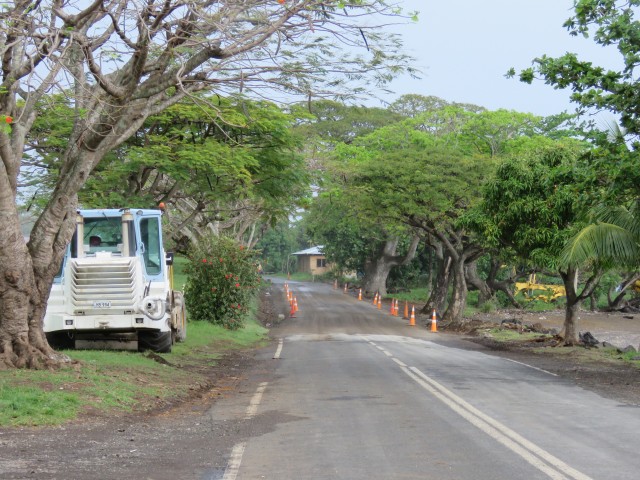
169	258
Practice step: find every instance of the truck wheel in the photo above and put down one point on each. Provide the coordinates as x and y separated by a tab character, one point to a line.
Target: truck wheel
155	341
61	340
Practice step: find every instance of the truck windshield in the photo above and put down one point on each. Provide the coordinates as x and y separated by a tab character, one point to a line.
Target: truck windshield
150	233
103	234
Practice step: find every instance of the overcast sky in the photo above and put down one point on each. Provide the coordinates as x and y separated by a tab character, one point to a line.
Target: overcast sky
464	48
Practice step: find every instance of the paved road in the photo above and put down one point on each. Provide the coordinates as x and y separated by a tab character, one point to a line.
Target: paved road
354	393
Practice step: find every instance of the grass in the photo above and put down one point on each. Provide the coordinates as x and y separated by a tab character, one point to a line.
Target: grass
414	296
508	335
298	276
108	382
629	357
113	382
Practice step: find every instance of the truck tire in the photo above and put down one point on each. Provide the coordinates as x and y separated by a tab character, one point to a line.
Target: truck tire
61	340
154	340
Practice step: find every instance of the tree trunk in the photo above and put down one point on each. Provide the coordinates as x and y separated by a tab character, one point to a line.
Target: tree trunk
458	303
505	286
618	302
570	327
376	270
438	298
472	278
25	281
27	270
570	279
593	302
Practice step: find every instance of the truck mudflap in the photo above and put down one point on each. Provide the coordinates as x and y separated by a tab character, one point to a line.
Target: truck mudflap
178	317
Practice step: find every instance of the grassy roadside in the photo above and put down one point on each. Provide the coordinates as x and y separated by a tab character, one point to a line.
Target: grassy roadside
111	382
104	383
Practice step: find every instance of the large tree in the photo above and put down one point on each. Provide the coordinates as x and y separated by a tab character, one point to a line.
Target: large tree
358	242
533	206
120	62
612	25
612	238
425	172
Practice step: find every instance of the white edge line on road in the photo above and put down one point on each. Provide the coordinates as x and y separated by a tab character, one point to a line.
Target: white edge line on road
497	430
501	433
486	428
279	349
252	409
231	472
402	364
530	366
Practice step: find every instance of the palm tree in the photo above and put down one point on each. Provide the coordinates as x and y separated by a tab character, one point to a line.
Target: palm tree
612	240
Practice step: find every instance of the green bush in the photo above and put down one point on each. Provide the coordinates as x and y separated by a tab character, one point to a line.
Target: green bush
223	277
489	306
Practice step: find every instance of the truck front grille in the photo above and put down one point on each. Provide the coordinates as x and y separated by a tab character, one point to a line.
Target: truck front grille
96	280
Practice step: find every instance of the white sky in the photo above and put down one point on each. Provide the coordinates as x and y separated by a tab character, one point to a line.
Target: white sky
464	48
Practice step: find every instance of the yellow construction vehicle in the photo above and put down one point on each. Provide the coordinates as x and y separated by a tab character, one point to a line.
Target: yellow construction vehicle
533	290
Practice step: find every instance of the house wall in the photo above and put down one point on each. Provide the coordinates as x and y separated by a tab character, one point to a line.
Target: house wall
309	264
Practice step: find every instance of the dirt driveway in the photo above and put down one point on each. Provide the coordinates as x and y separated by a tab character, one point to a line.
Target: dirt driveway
619	329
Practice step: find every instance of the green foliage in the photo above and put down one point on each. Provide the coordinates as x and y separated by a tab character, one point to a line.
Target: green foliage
489	306
277	244
612	24
179	275
533	203
223	277
349	239
212	147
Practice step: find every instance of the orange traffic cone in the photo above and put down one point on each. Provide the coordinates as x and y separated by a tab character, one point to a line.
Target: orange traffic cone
412	321
392	310
397	309
292	312
375	299
434	321
295	304
379	302
360	295
406	310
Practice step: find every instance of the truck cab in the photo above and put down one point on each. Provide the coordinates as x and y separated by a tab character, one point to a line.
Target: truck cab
114	288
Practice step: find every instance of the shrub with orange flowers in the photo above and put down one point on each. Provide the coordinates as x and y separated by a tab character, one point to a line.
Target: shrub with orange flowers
5	123
222	279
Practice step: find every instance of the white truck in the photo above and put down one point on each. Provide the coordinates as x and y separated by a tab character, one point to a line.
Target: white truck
115	286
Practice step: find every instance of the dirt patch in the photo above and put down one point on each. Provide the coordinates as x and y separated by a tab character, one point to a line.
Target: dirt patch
600	370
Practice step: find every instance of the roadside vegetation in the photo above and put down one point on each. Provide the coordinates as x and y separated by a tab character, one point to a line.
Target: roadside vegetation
106	383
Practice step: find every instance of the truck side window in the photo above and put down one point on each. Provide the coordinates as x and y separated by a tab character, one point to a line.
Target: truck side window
150	236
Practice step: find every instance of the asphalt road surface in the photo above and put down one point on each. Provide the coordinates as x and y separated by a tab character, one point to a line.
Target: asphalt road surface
347	391
354	393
